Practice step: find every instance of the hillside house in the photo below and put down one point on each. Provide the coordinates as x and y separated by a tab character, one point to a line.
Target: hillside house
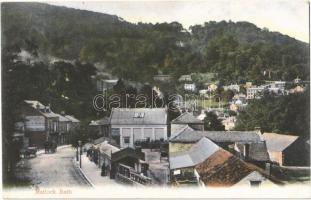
185	78
130	125
190	87
162	78
233	87
254	92
297	89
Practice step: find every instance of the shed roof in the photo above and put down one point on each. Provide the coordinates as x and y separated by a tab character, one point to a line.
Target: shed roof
102	121
127	152
138	116
62	118
99	140
189	136
107	149
50	114
34	103
197	154
278	142
186	118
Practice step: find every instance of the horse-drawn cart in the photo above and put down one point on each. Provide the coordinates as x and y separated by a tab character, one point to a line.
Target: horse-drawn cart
29	152
50	147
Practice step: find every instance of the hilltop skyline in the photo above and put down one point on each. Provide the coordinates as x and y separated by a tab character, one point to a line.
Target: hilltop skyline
287	17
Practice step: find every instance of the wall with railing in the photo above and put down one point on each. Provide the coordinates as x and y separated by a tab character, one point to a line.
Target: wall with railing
128	175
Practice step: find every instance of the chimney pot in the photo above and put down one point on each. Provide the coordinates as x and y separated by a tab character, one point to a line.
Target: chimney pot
246	151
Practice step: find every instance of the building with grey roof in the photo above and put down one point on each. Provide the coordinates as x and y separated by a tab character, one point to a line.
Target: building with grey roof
255	152
207	164
189	136
197	154
63	129
100	127
130	125
41	123
72	119
287	150
183	121
248	145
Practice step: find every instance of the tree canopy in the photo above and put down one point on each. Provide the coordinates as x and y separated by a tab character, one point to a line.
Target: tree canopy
283	114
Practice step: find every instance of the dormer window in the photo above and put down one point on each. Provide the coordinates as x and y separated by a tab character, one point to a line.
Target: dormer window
139	115
255	183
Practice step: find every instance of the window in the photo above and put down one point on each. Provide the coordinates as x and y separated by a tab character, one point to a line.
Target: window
139	115
159	133
126	140
115	132
255	183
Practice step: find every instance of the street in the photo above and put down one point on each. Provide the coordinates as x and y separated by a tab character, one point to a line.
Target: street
50	170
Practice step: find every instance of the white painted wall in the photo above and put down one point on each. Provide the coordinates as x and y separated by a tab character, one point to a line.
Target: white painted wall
138	132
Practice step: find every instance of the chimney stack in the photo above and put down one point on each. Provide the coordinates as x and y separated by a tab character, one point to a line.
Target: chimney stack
258	129
37	106
246	151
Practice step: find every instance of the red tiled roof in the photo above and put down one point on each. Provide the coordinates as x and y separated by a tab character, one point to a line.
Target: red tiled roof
223	169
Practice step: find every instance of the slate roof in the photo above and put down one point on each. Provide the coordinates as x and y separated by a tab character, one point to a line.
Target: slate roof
62	118
107	149
103	121
257	151
186	118
50	114
34	104
99	140
126	153
197	154
148	116
178	128
189	136
186	77
72	118
278	142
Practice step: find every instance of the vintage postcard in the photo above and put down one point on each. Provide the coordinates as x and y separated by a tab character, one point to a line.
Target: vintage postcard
155	99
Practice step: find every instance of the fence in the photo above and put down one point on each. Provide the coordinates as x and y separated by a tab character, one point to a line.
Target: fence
128	175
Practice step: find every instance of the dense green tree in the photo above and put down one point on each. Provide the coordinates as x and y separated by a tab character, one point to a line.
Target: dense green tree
285	114
212	123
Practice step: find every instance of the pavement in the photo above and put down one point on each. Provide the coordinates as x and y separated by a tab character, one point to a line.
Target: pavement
50	170
93	173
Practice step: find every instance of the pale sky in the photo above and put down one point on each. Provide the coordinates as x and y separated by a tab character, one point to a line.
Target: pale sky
289	17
